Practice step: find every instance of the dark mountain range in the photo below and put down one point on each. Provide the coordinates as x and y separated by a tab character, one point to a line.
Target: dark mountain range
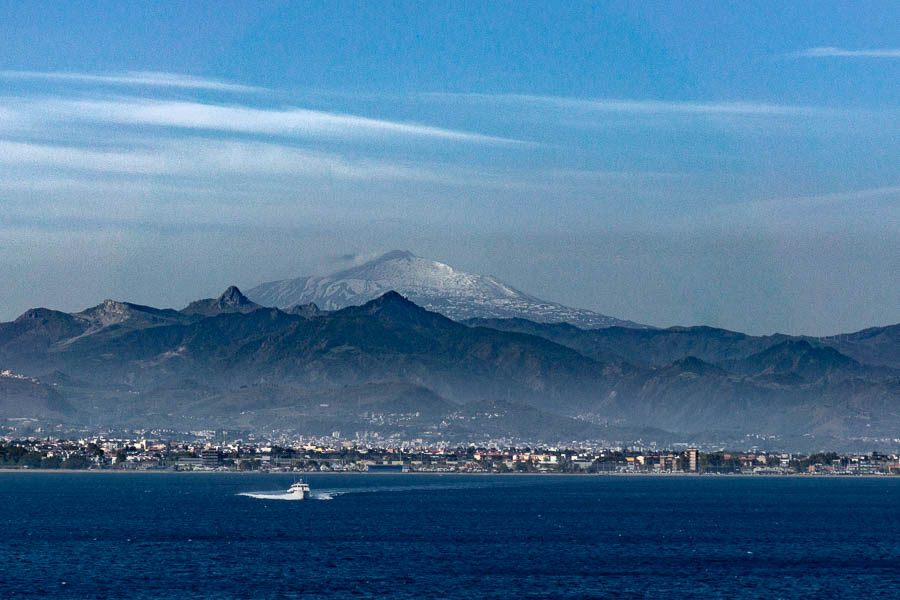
34	332
392	367
650	347
874	346
878	346
797	358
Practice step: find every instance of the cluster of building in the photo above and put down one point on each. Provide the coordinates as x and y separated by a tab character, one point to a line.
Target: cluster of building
204	452
7	374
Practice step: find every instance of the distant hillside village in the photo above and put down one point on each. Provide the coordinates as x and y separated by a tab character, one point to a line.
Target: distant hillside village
327	455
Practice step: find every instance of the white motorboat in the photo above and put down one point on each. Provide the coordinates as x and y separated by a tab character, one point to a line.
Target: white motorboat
299	488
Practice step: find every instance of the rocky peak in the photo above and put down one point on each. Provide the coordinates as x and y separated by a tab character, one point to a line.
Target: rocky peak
109	312
231	301
391	297
38	314
307	311
392	301
396	308
232	296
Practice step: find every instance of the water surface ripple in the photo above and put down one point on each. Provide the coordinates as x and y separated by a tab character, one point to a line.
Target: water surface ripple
167	536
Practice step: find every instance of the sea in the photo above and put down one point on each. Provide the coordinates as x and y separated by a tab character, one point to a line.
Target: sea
224	536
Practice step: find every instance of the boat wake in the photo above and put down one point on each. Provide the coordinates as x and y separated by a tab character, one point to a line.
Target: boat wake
331	494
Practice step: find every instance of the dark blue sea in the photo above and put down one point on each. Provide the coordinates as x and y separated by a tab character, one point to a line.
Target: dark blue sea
111	535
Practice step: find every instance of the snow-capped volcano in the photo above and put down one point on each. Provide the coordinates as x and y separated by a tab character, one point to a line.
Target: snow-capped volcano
430	284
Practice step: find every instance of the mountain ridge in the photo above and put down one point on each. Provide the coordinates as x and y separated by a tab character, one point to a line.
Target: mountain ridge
874	346
245	364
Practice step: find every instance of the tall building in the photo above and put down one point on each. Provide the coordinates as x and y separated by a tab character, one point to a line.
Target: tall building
693	456
211	458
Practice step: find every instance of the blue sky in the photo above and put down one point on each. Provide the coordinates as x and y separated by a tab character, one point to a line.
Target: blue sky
725	164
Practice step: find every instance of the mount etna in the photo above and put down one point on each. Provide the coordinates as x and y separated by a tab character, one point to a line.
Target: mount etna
430	284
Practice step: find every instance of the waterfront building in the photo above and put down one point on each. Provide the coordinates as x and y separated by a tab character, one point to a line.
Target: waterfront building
211	458
692	455
188	463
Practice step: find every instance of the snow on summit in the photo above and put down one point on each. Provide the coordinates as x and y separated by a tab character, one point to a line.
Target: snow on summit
431	284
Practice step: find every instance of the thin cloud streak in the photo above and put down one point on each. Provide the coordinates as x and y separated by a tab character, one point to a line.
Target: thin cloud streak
828	198
832	52
207	158
643	106
207	161
875	206
10	120
20	153
139	78
243	119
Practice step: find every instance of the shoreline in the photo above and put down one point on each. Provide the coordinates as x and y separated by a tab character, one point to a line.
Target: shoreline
453	474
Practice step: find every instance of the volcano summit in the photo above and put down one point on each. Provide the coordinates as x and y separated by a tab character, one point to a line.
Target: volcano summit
430	284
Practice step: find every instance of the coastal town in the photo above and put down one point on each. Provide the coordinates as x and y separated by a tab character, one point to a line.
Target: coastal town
220	451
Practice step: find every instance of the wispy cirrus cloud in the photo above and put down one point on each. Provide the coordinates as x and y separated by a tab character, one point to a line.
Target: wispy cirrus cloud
288	122
877	208
10	119
205	165
641	106
136	78
832	52
843	199
205	158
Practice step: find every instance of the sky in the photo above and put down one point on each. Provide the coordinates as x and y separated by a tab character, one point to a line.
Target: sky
681	163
